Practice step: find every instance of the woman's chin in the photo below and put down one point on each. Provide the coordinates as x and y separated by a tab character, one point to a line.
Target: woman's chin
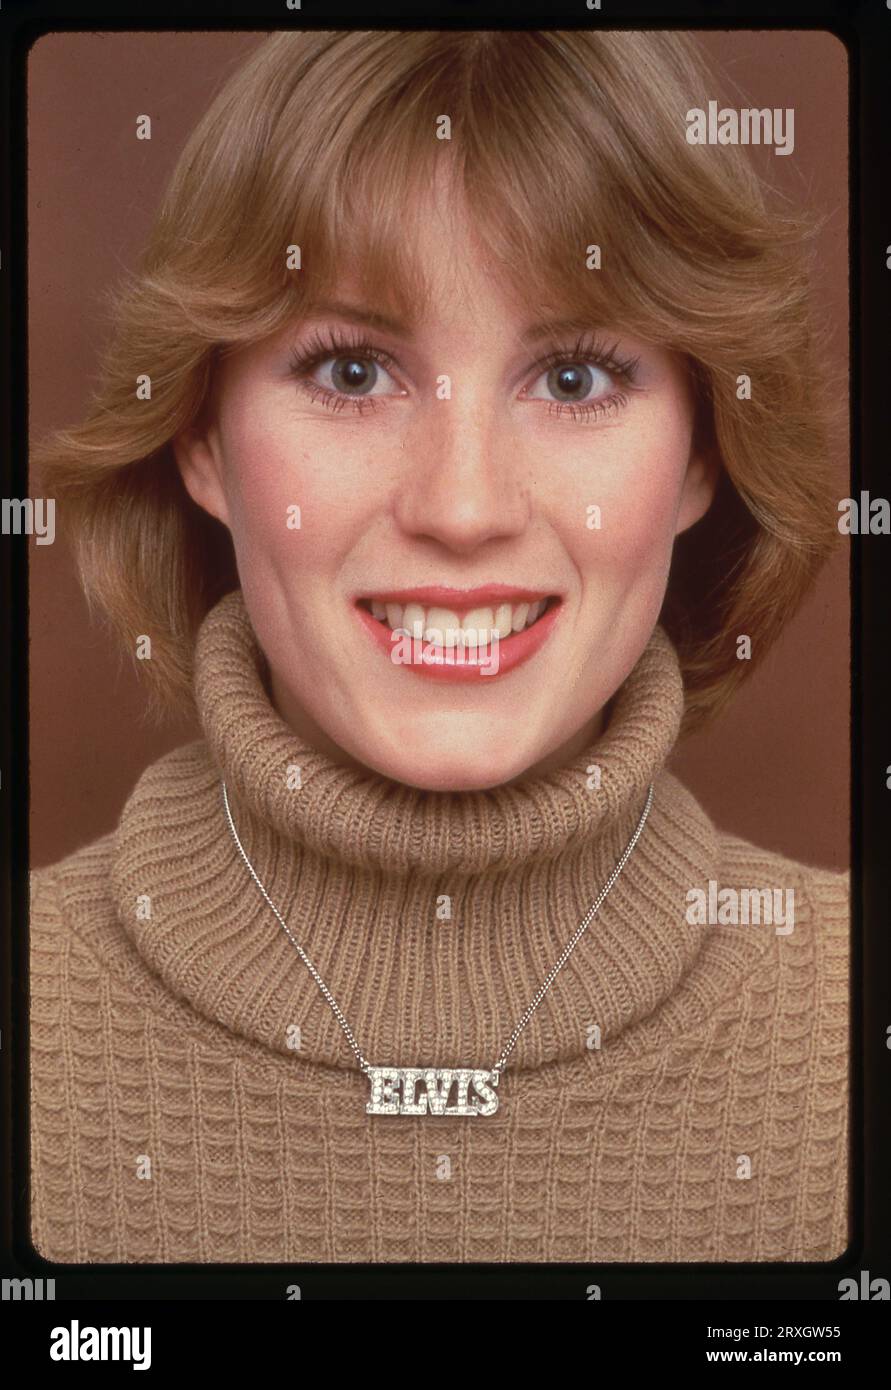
464	769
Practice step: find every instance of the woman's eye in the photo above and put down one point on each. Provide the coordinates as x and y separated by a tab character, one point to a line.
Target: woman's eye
352	376
572	382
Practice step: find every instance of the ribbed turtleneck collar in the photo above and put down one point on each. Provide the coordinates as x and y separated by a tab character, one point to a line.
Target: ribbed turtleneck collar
432	916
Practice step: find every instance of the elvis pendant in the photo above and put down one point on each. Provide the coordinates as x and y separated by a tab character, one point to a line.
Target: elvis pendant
427	1091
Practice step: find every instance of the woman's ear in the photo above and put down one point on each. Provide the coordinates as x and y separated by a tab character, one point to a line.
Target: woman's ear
700	484
197	457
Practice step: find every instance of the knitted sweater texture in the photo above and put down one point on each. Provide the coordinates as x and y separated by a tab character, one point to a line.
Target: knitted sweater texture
681	1094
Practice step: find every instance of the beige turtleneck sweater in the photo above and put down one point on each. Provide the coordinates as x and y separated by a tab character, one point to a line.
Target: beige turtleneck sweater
174	1119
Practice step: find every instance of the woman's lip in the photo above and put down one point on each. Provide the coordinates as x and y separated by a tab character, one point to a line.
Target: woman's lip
439	596
508	653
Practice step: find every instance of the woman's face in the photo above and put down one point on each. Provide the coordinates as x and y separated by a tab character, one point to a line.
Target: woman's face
513	494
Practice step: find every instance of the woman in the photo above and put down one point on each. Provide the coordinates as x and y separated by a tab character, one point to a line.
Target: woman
425	464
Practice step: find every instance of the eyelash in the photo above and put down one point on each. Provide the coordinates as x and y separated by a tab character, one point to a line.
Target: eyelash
320	347
589	351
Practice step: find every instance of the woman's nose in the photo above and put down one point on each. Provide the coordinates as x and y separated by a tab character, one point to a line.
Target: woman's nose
462	483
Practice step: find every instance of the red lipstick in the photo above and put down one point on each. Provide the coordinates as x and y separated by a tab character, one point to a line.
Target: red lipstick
484	663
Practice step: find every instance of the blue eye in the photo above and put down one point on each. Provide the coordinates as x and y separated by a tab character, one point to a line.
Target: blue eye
584	382
337	371
352	376
572	382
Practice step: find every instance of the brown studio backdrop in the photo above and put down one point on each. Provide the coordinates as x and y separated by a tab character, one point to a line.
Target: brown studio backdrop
774	768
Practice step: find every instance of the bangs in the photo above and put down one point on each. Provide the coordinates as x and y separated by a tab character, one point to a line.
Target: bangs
552	149
537	186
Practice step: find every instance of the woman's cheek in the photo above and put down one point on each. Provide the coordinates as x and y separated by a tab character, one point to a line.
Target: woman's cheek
642	536
293	507
620	520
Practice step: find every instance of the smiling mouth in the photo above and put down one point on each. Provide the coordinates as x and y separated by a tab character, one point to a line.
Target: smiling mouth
451	628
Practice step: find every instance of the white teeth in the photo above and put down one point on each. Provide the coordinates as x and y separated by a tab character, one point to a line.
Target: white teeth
442	627
445	628
476	626
504	617
413	619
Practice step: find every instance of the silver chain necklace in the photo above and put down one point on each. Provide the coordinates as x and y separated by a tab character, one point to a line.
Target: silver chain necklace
395	1090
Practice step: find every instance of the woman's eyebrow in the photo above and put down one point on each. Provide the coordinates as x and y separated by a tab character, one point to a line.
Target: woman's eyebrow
373	318
358	313
555	328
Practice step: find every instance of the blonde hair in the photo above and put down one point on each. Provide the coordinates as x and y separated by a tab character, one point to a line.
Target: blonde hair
560	140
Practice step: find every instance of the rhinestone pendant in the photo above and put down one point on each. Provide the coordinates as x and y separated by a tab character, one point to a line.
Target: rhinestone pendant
427	1090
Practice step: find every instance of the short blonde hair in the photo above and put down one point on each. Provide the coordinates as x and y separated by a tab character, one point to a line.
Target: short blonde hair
560	140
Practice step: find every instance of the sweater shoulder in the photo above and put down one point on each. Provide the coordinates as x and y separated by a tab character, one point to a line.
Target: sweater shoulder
80	882
741	855
805	954
75	934
820	896
76	889
82	868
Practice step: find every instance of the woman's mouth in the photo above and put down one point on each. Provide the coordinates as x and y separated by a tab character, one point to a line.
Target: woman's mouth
480	634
